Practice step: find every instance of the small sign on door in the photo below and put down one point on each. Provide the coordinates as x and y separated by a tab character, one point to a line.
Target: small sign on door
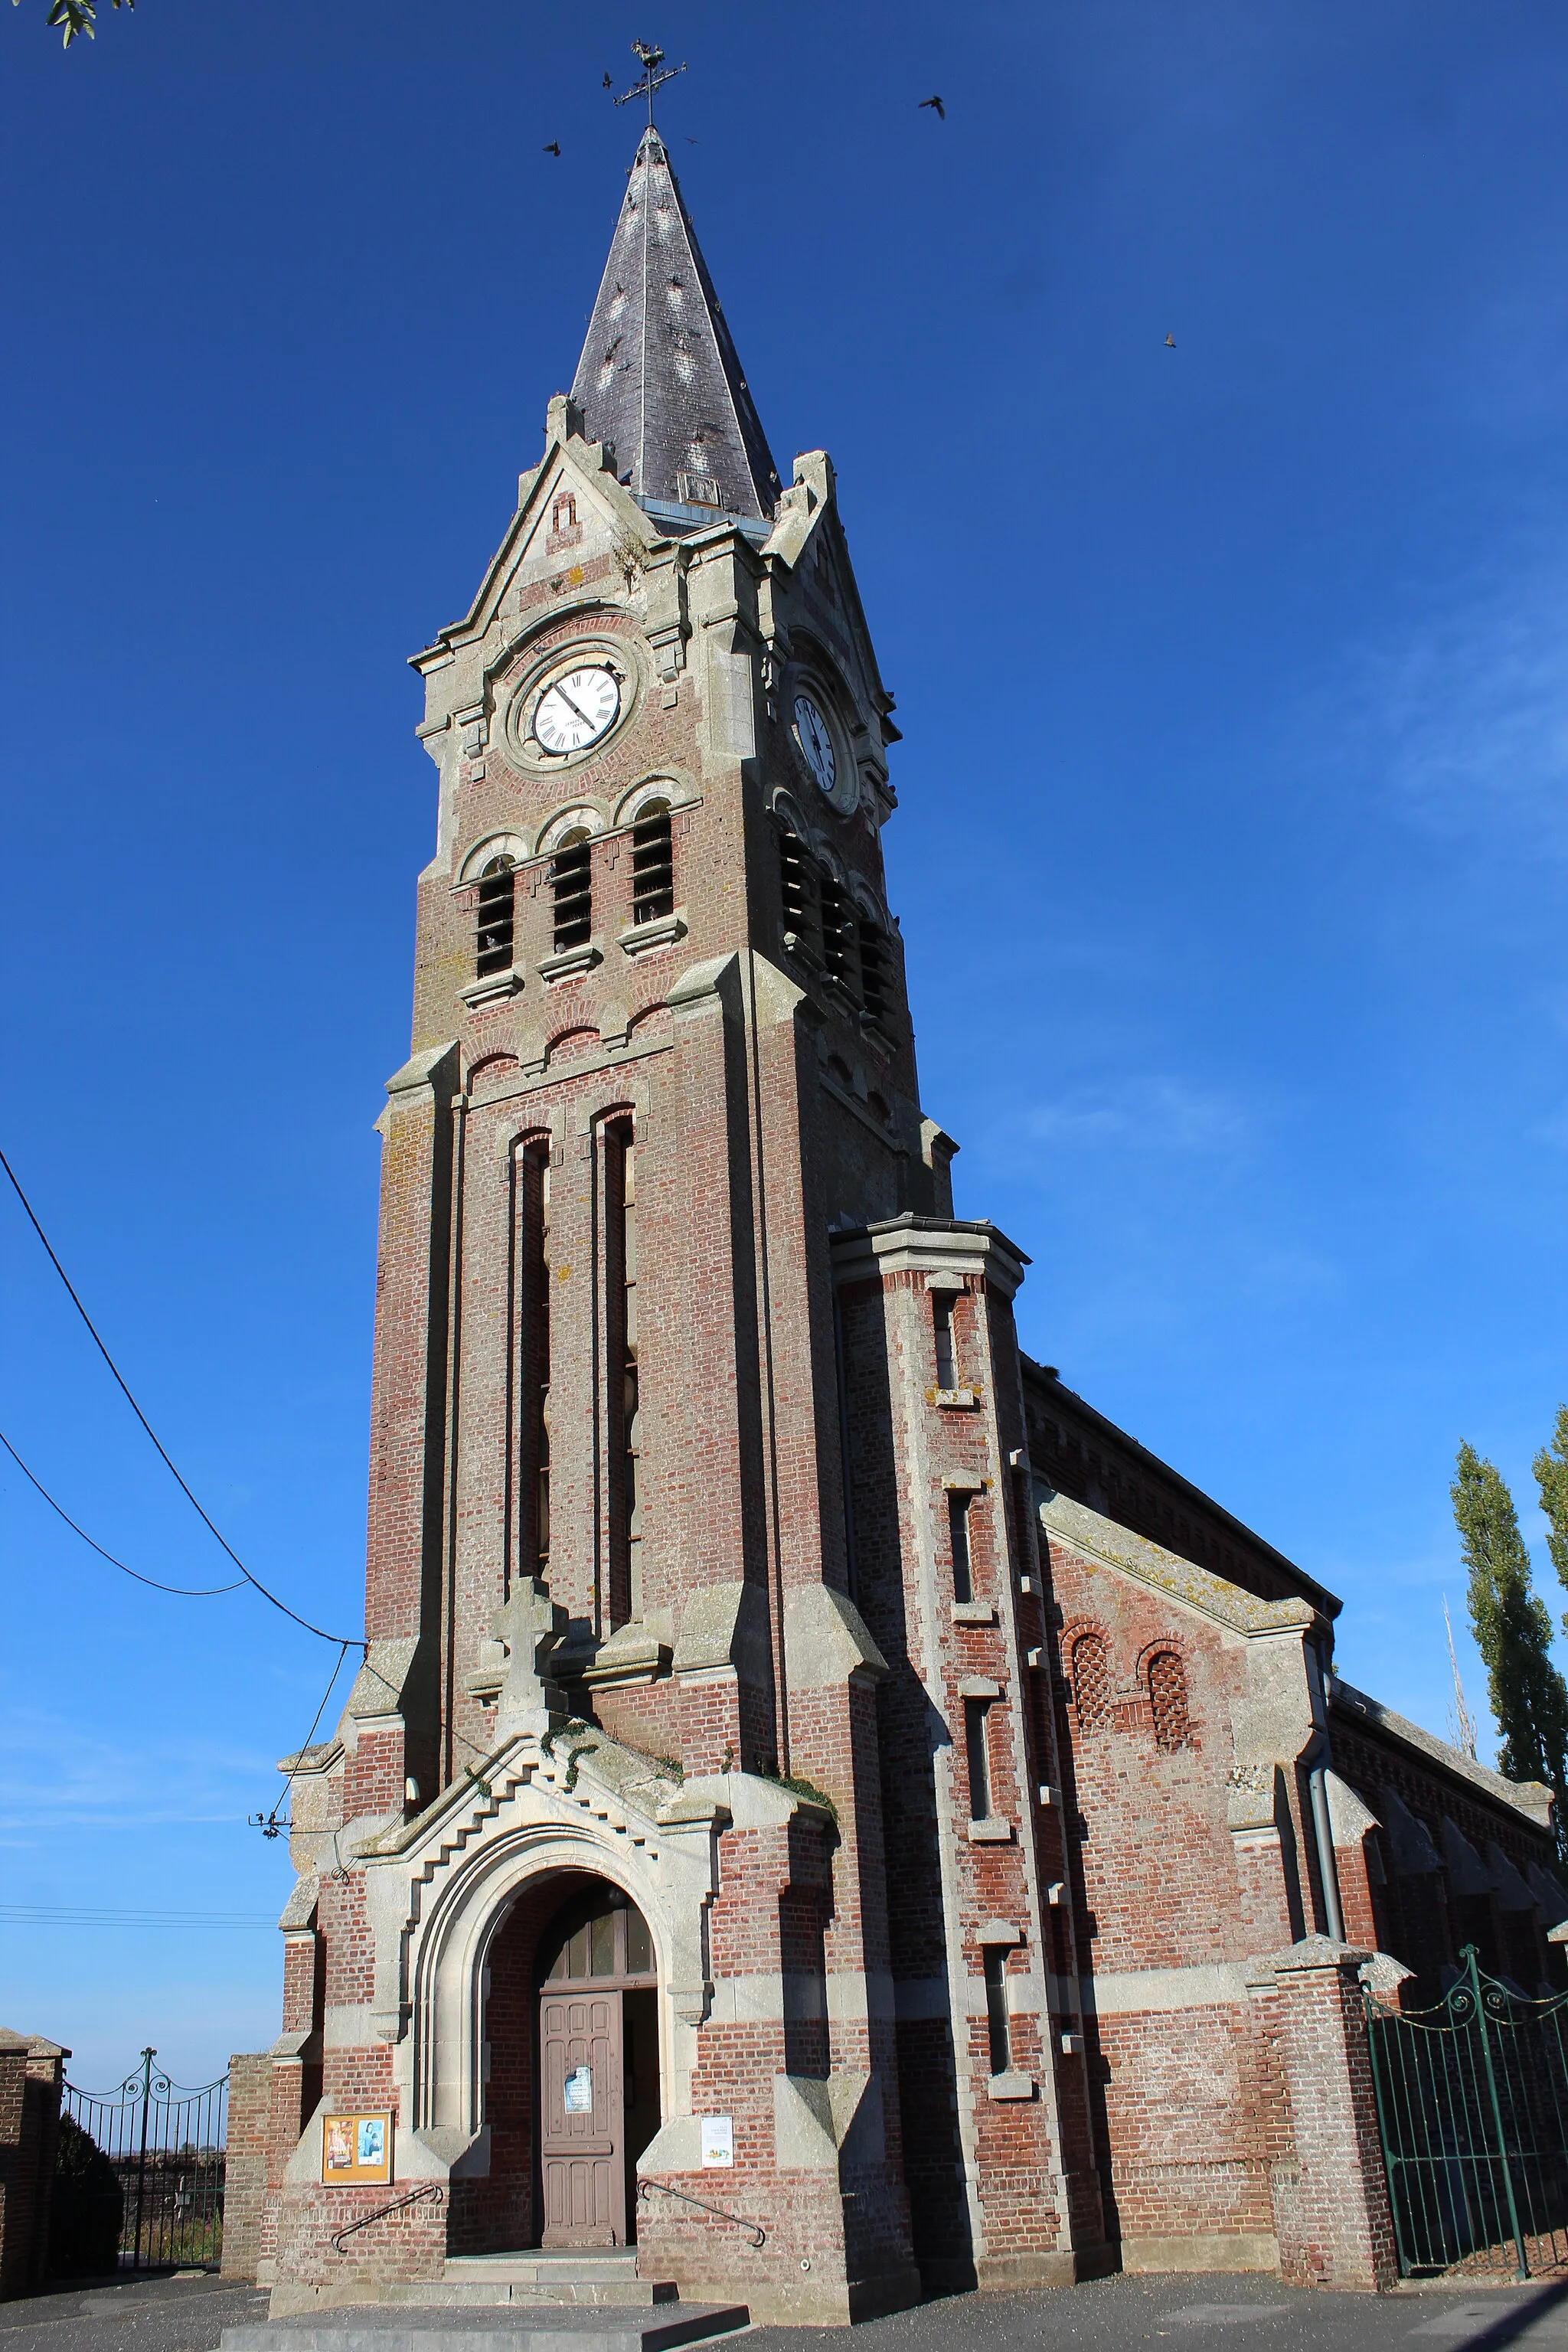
577	2092
718	2140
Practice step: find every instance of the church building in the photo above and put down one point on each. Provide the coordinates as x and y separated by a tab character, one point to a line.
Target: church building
825	1817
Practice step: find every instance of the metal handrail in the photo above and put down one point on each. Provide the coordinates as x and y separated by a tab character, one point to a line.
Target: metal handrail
429	2189
759	2235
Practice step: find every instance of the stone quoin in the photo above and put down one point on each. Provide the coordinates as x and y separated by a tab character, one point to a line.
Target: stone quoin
811	1773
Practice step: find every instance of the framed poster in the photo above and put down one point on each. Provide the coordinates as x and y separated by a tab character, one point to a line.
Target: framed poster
718	2140
357	2148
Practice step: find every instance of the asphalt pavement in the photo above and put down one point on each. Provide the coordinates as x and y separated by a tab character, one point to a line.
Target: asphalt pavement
1115	2315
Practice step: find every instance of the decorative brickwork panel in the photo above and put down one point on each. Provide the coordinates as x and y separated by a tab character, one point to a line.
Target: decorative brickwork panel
1168	1699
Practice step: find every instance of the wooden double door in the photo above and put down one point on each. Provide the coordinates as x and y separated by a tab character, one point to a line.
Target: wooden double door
598	2071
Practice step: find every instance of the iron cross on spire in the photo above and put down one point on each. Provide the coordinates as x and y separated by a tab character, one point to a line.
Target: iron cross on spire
651	60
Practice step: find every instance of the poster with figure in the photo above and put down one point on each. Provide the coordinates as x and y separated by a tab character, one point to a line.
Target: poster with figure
357	2148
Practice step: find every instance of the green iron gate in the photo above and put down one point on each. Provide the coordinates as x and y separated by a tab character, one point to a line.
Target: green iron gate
138	2176
1472	2104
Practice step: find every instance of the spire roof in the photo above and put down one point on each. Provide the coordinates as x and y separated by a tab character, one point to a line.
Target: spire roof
660	377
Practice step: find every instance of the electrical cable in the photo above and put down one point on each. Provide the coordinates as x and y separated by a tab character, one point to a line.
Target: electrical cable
45	1915
352	1642
185	1592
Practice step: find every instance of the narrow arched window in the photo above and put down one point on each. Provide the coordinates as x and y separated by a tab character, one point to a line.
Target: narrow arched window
497	916
1090	1680
1168	1699
572	891
653	864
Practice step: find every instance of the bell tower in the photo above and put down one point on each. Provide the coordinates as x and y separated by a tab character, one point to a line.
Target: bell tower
661	1050
686	1386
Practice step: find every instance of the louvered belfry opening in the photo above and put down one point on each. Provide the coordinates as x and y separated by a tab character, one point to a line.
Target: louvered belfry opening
874	972
571	890
653	865
794	883
837	928
497	916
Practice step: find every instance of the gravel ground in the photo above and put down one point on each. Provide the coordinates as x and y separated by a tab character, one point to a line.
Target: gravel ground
1117	2314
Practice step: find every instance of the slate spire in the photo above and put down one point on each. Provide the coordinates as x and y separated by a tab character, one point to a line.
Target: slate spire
660	377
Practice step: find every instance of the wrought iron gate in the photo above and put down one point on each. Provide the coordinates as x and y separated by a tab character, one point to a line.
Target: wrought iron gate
1472	2104
140	2175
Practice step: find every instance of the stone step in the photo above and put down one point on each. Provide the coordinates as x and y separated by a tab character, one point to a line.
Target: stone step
551	2258
451	2293
398	2327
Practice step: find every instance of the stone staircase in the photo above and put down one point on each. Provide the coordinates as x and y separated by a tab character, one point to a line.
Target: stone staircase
579	2299
568	2274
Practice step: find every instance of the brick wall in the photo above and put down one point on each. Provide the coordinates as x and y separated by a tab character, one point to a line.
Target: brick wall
245	2163
31	2073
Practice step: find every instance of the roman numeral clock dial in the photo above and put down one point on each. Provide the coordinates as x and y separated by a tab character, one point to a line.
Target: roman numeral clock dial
816	743
577	709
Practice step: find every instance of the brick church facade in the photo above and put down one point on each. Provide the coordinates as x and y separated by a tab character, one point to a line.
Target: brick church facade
811	1774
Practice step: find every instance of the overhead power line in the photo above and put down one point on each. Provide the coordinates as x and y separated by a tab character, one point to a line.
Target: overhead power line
49	1915
185	1591
352	1641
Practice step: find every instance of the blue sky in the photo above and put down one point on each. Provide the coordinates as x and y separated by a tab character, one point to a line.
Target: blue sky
1233	838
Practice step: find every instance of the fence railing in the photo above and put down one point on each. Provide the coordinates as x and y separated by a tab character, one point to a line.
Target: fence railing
138	2179
1472	2105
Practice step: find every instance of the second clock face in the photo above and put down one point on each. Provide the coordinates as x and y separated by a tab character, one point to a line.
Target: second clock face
816	742
578	709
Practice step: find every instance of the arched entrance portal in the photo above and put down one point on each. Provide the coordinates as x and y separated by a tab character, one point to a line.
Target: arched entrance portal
574	2091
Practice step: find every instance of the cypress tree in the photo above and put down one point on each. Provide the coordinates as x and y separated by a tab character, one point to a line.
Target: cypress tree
1513	1631
1550	1468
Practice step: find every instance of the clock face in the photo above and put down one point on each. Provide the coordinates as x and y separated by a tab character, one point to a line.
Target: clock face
578	709
816	742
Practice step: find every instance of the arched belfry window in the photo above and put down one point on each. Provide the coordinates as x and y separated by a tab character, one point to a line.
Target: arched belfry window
497	916
1168	1699
571	890
873	972
653	864
795	884
837	921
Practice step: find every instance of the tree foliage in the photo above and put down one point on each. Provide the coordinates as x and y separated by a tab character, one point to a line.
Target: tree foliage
74	17
1512	1629
1550	1468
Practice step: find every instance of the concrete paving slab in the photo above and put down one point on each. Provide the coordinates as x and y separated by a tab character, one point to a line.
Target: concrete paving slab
396	2328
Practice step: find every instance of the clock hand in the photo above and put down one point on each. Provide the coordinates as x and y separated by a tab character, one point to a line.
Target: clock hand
572	706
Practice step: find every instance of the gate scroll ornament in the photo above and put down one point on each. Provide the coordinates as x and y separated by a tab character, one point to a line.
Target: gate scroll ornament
1472	2109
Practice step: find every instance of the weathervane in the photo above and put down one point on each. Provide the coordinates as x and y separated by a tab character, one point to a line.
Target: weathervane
651	60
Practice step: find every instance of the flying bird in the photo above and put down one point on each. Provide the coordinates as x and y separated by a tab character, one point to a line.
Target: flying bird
554	147
938	104
690	141
608	83
1170	342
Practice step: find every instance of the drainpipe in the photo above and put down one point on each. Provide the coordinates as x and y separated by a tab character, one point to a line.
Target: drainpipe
1322	1830
1317	1763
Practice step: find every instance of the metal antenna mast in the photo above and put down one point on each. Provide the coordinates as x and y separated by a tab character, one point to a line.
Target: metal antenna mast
650	59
